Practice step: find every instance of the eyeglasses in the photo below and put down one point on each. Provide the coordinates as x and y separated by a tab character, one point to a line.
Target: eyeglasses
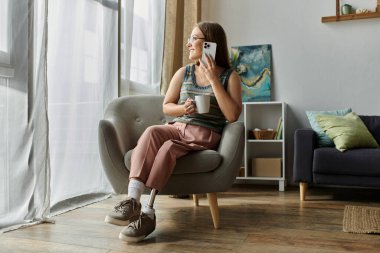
192	39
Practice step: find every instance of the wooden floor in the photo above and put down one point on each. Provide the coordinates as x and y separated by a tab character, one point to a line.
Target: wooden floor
253	219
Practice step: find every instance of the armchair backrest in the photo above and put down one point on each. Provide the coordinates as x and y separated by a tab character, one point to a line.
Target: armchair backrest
134	114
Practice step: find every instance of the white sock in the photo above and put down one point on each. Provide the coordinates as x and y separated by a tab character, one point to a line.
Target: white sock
135	189
148	211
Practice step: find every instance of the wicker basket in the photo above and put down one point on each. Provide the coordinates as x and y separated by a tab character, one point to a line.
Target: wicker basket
264	134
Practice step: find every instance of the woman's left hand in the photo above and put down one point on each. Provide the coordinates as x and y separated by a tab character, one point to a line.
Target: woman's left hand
209	69
189	106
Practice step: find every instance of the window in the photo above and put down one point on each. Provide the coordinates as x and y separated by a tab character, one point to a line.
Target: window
141	43
4	33
142	30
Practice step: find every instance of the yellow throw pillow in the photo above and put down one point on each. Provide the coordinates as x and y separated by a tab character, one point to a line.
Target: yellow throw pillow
347	131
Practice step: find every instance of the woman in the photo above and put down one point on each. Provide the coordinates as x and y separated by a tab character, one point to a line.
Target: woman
154	157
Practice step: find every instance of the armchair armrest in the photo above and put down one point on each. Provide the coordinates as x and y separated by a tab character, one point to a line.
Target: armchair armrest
231	136
304	145
111	153
231	148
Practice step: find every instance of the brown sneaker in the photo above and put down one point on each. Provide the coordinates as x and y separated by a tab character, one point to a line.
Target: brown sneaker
139	229
124	213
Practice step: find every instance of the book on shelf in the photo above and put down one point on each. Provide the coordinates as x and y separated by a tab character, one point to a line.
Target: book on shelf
280	131
278	135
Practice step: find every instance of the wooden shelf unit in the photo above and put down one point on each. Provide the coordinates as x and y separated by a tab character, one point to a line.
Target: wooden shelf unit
264	115
338	17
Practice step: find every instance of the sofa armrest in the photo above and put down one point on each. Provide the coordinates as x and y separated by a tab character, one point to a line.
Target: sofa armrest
304	145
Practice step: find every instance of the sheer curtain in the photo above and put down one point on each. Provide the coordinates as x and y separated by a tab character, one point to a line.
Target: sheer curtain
142	43
78	55
58	71
5	32
24	159
83	75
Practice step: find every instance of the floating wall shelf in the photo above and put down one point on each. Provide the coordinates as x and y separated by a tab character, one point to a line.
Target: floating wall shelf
347	17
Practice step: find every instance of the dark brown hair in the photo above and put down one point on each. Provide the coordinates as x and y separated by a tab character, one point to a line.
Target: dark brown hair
213	32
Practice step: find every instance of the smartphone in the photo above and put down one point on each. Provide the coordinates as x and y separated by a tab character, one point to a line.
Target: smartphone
209	48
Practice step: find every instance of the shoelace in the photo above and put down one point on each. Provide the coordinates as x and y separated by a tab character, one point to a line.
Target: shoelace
123	206
137	223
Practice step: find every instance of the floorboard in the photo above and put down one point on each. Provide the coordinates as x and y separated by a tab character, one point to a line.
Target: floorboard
252	218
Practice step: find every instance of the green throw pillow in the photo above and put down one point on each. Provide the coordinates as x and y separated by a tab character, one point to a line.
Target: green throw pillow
323	139
347	131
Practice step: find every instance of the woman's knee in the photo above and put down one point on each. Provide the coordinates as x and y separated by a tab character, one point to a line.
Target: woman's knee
168	145
154	130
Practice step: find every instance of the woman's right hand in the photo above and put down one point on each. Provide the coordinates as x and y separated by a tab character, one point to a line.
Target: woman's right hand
189	106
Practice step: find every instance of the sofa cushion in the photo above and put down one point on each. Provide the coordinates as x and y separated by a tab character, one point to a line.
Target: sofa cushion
347	131
373	125
193	162
323	139
355	162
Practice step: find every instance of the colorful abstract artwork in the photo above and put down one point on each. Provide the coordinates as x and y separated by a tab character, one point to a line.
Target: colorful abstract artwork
253	64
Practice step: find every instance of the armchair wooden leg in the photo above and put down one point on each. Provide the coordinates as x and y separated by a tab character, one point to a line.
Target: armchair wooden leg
213	202
196	199
303	190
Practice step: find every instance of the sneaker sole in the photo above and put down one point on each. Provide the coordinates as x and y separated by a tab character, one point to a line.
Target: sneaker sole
117	222
131	239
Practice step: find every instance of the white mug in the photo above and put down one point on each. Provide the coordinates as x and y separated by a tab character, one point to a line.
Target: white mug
203	103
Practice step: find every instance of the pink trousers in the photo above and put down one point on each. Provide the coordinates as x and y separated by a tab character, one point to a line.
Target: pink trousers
158	148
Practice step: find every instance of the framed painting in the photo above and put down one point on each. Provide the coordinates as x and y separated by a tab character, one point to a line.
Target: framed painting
254	66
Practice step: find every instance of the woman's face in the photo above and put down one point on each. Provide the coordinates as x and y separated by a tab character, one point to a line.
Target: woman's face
195	44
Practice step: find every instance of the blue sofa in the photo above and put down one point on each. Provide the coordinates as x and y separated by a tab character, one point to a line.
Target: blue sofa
328	166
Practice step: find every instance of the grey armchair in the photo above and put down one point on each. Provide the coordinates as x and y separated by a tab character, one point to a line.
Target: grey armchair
206	171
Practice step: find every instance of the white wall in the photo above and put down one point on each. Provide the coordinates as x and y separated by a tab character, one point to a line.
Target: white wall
316	66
